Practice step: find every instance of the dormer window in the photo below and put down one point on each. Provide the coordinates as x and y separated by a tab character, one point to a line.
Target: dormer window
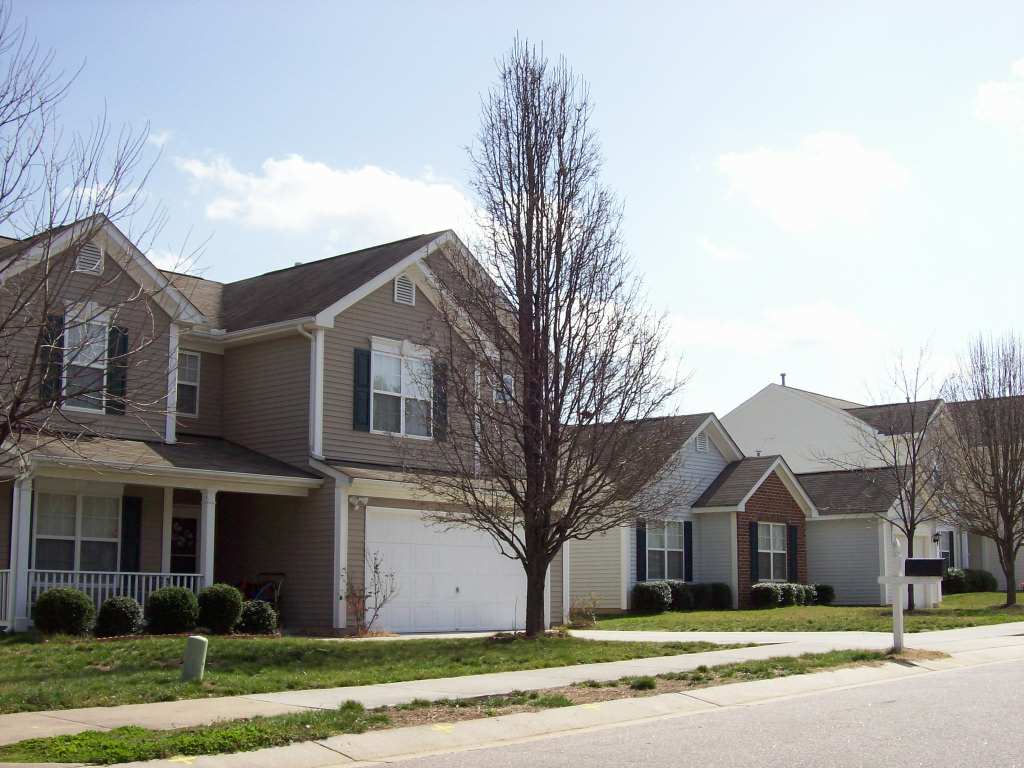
405	291
89	259
701	443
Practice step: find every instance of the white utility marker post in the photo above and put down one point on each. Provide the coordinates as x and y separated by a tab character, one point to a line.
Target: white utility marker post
919	570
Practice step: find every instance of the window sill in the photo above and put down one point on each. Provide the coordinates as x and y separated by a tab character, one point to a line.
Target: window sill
82	409
400	435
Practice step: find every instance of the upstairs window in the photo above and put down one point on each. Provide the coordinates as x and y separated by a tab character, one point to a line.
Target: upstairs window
402	399
405	291
503	392
188	383
86	359
89	259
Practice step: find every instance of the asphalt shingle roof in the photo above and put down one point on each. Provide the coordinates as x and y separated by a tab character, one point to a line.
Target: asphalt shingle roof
896	418
735	481
853	491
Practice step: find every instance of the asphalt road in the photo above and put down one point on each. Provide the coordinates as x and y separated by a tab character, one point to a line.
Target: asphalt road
969	717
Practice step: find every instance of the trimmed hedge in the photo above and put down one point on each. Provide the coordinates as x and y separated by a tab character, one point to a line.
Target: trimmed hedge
171	610
119	616
653	596
681	596
63	611
258	618
825	594
220	607
775	594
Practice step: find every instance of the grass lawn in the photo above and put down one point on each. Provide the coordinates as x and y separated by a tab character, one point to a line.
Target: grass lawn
65	673
967	610
132	744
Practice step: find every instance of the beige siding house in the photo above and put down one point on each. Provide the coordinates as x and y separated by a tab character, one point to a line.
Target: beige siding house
269	457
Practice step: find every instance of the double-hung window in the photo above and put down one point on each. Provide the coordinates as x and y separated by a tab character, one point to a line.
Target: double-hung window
771	552
77	533
188	383
85	350
403	386
665	551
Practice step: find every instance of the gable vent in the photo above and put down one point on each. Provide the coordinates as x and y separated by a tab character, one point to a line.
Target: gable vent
701	443
89	259
405	291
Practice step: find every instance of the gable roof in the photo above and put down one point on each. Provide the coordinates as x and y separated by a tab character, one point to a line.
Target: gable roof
895	418
307	289
850	492
736	482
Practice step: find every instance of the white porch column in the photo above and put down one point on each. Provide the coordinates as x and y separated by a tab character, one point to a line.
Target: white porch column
207	535
165	538
21	540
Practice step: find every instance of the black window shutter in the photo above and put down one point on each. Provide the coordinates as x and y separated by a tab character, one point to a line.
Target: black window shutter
361	392
792	561
754	575
688	550
440	400
641	551
51	360
117	370
131	533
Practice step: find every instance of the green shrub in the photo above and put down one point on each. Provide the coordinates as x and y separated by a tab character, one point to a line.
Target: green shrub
653	596
63	611
258	618
810	594
119	616
220	607
765	595
978	580
701	596
682	596
954	582
645	683
826	594
171	610
790	594
719	596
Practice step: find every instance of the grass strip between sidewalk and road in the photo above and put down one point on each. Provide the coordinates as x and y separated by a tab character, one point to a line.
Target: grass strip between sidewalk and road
136	744
71	673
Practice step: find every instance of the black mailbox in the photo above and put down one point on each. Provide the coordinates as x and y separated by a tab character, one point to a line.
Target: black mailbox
924	566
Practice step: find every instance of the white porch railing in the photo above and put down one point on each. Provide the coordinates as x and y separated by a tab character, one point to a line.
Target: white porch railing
5	598
99	585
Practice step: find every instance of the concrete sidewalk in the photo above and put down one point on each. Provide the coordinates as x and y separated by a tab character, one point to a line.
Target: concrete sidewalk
180	714
386	746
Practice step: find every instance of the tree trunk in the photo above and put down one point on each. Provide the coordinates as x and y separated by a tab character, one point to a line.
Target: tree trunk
536	578
1010	571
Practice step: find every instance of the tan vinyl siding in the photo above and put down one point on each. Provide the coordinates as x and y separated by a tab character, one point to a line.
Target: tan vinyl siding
375	315
152	530
6	498
211	396
555	575
279	534
355	571
596	569
266	397
147	327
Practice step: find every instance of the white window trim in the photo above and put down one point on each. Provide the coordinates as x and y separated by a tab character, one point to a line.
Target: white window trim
78	538
664	550
400	350
92	315
99	266
180	381
772	552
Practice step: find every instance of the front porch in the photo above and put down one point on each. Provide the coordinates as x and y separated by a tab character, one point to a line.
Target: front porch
117	532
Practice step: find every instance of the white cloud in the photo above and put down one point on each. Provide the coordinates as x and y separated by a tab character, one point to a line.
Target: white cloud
292	194
166	259
830	178
1002	102
159	138
721	253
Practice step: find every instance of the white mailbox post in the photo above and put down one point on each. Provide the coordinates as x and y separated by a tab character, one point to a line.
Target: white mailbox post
918	570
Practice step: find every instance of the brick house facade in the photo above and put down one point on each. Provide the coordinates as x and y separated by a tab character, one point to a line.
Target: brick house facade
770	503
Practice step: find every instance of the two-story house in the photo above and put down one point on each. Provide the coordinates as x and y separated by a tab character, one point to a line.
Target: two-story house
275	450
741	519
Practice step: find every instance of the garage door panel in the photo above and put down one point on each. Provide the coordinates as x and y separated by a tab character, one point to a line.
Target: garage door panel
452	579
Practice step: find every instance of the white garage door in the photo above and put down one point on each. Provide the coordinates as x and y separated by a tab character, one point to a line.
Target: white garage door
447	579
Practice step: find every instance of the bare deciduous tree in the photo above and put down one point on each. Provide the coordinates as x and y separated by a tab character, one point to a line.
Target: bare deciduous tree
983	456
58	189
900	443
555	370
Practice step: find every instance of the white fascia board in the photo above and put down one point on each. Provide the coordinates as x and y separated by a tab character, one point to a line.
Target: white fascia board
325	317
256	333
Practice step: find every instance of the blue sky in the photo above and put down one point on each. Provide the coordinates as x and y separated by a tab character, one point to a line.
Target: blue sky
807	189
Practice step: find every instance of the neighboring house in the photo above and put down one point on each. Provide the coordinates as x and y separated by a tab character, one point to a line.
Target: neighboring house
848	545
743	519
287	395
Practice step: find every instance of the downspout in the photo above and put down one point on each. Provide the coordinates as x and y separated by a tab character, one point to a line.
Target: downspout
315	390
